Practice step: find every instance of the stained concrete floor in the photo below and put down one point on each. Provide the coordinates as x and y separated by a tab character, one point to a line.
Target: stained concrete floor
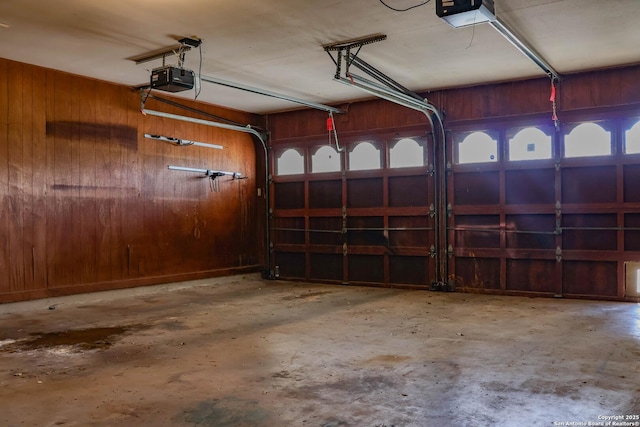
247	352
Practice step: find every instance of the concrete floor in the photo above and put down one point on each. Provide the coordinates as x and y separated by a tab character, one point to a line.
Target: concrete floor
247	352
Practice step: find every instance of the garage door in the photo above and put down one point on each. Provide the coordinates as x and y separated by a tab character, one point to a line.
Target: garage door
362	215
545	211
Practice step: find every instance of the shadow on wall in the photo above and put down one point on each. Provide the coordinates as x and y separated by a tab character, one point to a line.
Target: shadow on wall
124	136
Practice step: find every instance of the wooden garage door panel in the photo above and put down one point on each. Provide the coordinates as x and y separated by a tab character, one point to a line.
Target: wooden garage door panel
477	273
535	186
366	268
365	193
325	231
631	179
326	266
408	191
412	270
411	237
477	231
531	275
289	195
284	230
587	232
632	237
372	235
590	278
325	194
291	264
531	231
476	188
593	184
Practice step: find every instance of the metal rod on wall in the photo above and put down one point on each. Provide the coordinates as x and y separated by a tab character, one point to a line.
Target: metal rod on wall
247	129
182	142
207	172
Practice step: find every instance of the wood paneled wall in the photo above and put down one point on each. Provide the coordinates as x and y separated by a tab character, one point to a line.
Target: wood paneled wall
87	202
593	90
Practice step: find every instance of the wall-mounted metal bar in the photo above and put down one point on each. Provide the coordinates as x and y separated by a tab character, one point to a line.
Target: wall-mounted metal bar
146	94
248	129
182	142
264	92
207	172
524	47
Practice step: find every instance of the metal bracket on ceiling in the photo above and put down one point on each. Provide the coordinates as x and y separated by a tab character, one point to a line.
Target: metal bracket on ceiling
357	42
383	86
175	50
346	47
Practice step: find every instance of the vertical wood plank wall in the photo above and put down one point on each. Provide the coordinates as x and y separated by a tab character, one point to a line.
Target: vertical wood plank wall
492	195
87	202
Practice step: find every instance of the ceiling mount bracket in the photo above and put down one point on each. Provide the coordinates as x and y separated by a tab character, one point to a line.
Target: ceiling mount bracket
353	43
175	50
346	46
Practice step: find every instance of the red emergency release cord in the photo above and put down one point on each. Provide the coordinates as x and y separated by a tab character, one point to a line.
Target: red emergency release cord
552	98
331	128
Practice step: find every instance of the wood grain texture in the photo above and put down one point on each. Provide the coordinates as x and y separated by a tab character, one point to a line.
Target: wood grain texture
89	204
493	201
4	176
16	185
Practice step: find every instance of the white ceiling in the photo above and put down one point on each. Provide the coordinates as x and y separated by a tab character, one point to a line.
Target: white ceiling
277	44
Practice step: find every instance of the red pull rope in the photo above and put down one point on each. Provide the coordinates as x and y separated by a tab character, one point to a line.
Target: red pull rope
552	98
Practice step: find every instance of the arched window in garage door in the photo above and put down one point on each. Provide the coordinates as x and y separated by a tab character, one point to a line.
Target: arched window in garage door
632	139
325	159
290	162
587	140
477	147
631	144
406	153
364	156
530	143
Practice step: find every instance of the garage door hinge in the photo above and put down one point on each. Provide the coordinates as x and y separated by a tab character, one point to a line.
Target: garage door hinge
558	254
432	251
